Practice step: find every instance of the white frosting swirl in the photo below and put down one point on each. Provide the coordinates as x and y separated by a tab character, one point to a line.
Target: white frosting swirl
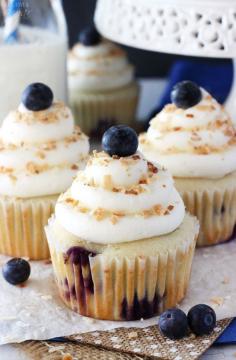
40	152
100	67
118	200
197	142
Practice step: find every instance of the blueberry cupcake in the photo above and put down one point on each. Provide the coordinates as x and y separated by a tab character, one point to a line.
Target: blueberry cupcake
121	243
195	139
40	153
102	88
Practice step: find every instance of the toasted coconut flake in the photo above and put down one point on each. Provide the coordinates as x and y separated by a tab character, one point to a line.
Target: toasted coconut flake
131	192
114	219
5	170
83	209
33	168
143	181
202	150
152	168
74	167
13	177
40	154
107	182
170	108
119	213
50	145
217	300
99	214
158	209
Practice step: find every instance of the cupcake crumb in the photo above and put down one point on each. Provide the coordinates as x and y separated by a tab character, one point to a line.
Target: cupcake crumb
114	219
225	280
217	300
40	154
12	177
5	170
99	214
67	357
50	145
107	182
158	209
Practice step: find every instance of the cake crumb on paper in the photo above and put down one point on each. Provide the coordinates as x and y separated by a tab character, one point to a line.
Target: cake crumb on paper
226	280
217	300
67	357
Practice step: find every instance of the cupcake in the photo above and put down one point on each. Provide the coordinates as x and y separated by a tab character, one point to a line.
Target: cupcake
195	139
121	243
102	89
40	153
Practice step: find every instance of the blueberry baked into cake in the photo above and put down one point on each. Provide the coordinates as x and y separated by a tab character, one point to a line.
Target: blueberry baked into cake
121	243
195	139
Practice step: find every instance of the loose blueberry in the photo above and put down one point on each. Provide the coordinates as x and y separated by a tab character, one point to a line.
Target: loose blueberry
120	140
89	36
16	271
201	319
173	324
37	97
186	94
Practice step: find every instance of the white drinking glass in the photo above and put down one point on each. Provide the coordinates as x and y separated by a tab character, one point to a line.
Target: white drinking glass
39	55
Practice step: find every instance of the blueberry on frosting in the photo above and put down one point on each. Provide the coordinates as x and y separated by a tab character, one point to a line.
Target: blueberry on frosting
16	271
37	97
120	140
186	94
89	36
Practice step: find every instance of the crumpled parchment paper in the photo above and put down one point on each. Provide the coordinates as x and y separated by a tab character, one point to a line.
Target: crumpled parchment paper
36	311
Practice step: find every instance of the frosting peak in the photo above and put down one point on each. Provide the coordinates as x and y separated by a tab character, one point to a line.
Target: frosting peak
103	169
196	142
100	67
114	194
40	151
27	126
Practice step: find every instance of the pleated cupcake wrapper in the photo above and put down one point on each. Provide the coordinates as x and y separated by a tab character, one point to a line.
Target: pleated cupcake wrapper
216	212
22	224
96	112
123	288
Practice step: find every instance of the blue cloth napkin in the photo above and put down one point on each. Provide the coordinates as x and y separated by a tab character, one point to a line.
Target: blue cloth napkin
214	75
228	336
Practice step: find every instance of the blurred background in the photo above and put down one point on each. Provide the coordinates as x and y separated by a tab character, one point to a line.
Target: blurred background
79	13
158	72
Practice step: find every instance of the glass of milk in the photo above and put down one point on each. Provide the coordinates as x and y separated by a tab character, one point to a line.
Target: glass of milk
39	56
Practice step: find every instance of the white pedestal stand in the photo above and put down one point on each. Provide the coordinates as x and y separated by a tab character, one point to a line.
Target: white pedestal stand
188	27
